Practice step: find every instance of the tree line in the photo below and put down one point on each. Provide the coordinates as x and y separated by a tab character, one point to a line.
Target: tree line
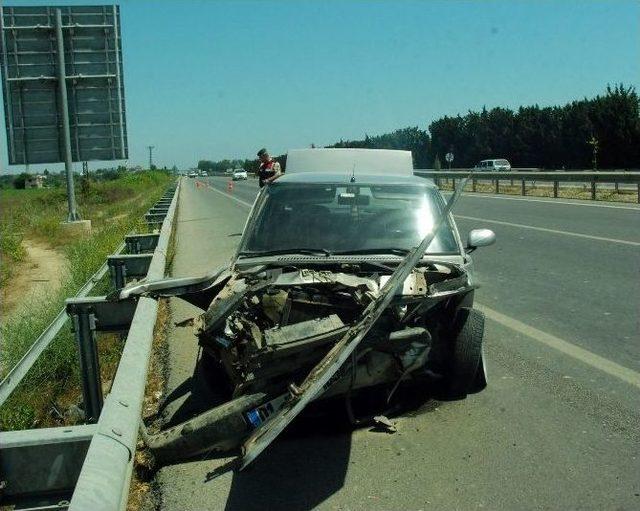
601	132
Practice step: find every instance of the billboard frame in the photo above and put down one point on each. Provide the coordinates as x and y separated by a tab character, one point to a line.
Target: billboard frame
60	109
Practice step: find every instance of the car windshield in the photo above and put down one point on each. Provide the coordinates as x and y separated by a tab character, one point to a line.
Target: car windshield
502	162
347	219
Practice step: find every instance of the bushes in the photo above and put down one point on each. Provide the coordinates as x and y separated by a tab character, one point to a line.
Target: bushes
19	183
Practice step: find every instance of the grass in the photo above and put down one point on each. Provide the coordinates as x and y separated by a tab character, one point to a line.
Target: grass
52	385
141	489
571	192
11	250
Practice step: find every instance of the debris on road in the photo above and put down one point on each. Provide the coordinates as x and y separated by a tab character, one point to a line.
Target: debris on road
384	424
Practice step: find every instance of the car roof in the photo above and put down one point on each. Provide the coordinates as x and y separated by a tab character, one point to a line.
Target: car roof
344	160
360	178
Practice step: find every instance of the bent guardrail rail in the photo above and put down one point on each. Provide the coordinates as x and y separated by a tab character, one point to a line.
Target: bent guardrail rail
95	459
557	177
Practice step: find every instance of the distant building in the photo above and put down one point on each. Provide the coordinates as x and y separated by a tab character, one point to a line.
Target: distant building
34	181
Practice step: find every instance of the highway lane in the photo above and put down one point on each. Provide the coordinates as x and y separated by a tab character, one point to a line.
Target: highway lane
552	431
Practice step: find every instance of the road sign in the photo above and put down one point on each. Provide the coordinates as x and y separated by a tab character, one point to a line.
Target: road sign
91	65
449	157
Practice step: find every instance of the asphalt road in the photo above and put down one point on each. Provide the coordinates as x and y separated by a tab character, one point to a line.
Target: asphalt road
558	426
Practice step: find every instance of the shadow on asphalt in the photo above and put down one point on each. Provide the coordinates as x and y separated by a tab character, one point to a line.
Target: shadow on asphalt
309	462
295	475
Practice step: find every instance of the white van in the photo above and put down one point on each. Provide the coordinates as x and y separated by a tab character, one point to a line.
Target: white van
493	165
348	161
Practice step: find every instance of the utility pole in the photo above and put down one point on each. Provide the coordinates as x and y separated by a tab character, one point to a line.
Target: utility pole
66	133
151	147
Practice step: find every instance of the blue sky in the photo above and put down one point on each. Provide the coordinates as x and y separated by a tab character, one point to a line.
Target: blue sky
216	79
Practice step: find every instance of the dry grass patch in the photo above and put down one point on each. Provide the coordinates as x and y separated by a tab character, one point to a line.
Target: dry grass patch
140	491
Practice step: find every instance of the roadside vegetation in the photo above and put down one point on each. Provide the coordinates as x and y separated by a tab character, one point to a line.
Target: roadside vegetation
115	207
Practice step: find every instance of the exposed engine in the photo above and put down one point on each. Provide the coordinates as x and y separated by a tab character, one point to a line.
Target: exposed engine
267	331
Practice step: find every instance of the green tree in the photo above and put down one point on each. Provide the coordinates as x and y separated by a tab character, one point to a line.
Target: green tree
531	136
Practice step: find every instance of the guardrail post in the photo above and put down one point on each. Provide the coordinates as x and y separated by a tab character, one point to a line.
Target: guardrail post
473	184
125	266
84	323
139	243
118	273
593	189
155	210
555	189
497	181
523	189
454	184
638	193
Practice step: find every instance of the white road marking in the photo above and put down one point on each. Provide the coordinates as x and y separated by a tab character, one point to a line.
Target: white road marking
553	231
547	201
587	357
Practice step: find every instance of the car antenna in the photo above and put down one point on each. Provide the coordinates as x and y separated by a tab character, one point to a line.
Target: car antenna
353	174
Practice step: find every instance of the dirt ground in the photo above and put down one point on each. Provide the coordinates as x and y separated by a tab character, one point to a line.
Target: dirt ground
42	271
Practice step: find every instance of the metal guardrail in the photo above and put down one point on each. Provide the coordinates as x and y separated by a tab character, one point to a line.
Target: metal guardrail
96	459
104	481
557	177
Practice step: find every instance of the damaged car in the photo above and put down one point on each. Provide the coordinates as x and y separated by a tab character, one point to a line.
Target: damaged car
345	278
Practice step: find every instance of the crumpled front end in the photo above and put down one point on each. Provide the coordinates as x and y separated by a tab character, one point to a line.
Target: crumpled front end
266	331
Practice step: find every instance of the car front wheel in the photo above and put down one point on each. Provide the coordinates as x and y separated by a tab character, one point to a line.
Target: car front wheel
466	371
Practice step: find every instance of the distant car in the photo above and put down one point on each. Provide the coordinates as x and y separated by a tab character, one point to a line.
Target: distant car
192	174
493	165
239	175
228	171
204	173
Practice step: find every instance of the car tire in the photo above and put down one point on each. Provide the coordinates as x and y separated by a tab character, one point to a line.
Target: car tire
466	369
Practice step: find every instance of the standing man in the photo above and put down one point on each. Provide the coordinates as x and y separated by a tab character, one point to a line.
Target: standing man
269	168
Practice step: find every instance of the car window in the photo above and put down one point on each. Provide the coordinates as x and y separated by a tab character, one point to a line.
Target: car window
340	218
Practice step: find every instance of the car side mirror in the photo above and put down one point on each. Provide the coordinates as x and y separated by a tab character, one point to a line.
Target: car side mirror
480	238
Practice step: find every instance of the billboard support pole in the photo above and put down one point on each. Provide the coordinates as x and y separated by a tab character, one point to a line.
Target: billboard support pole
66	132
